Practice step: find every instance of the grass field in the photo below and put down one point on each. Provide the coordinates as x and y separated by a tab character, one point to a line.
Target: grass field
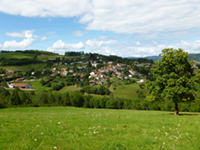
37	67
67	128
38	86
69	89
127	91
17	55
50	57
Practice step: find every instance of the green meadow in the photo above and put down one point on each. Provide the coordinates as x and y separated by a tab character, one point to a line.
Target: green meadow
50	57
37	85
101	129
17	55
37	67
128	91
69	89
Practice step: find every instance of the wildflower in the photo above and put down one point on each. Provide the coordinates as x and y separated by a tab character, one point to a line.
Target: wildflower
163	126
55	147
158	130
170	128
163	143
179	125
38	125
59	123
35	139
2	125
42	133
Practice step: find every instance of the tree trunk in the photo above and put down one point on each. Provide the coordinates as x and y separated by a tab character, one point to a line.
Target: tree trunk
176	108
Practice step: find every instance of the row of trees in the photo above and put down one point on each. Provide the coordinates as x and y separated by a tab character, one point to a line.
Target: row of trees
18	97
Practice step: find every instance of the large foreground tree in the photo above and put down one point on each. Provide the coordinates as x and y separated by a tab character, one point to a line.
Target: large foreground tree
174	78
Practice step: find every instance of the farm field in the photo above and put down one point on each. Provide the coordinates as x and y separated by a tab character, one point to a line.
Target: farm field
77	128
37	67
128	91
17	55
50	57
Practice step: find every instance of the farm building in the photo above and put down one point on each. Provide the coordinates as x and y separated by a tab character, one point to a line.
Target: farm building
20	85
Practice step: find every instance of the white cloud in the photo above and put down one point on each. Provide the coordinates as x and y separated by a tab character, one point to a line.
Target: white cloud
191	47
44	38
96	43
126	16
138	43
53	32
45	8
154	42
144	16
79	33
61	46
28	34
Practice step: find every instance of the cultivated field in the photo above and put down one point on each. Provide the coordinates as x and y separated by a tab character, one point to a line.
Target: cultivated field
78	128
17	55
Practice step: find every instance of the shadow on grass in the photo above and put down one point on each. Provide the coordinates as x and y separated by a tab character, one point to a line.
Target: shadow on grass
184	114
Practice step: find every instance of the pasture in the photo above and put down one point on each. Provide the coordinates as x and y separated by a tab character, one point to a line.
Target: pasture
78	128
37	67
17	55
50	57
128	91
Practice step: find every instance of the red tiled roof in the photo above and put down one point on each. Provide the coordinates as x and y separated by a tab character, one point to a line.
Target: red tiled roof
20	84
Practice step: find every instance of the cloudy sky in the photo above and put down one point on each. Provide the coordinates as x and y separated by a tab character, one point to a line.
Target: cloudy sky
125	28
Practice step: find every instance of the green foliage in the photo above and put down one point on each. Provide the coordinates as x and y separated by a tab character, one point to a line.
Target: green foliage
142	85
76	99
14	98
174	78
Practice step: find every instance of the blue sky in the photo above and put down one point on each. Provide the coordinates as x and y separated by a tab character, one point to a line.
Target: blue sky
124	28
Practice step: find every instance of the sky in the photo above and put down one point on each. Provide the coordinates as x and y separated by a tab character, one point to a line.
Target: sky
128	28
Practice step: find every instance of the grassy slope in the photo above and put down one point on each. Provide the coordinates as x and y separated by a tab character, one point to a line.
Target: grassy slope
17	55
38	86
38	66
128	91
50	57
78	128
69	89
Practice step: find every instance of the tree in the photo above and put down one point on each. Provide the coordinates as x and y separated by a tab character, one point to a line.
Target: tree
14	98
174	79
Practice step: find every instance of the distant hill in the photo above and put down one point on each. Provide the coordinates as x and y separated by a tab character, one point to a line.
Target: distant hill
195	57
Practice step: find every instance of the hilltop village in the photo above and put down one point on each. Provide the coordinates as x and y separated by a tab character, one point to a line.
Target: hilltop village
76	68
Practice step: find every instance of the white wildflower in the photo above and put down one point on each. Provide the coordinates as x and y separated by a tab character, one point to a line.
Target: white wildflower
41	132
163	143
55	147
59	123
35	139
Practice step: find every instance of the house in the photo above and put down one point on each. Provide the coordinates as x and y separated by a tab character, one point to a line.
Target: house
2	75
20	85
110	62
94	64
20	79
9	76
64	73
142	81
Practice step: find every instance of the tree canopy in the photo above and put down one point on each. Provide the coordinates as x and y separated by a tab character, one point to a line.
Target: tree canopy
174	78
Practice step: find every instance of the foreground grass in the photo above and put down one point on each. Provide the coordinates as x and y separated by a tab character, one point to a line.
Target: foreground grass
78	128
